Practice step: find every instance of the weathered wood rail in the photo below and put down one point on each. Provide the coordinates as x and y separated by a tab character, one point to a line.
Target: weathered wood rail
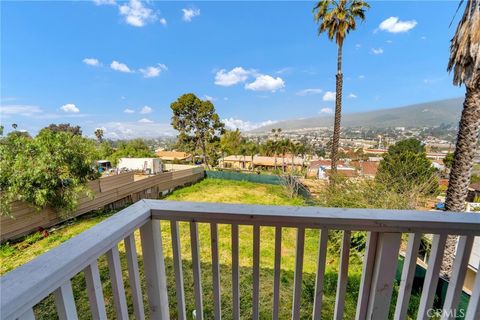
52	272
115	190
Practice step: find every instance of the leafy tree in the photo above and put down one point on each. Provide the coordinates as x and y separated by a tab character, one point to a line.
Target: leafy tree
448	160
407	145
197	123
338	18
136	148
50	170
465	63
65	127
104	150
1	130
230	141
406	166
14	126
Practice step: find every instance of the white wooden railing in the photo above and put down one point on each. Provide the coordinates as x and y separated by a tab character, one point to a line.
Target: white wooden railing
23	288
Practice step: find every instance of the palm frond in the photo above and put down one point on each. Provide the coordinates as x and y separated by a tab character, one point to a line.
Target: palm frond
465	47
338	18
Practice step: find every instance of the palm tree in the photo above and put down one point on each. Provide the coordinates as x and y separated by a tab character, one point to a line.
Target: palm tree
465	63
283	148
293	149
99	135
338	18
271	149
252	149
14	126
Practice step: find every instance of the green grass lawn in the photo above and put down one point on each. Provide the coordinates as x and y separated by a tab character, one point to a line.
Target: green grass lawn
211	190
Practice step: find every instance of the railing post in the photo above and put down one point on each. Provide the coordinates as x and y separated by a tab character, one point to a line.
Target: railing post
95	293
342	275
408	273
65	302
381	288
154	266
367	273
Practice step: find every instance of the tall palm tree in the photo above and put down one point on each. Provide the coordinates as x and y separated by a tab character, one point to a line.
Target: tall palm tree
252	149
283	148
293	149
99	135
338	18
465	63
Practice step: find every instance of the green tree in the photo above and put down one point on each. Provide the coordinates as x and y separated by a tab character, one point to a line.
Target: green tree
465	63
197	123
99	134
50	170
252	149
65	127
405	167
230	141
136	148
448	160
338	18
408	145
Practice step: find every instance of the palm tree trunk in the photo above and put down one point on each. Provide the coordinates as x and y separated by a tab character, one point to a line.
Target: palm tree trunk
467	139
338	110
460	173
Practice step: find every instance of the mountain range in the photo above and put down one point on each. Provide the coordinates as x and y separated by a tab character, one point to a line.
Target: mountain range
428	114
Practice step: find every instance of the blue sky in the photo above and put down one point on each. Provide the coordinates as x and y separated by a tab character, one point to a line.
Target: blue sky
119	65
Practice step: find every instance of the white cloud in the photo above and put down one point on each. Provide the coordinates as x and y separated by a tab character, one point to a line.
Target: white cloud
232	77
395	25
306	92
423	38
146	110
154	71
21	110
128	110
358	46
92	62
145	120
377	51
361	77
104	2
208	98
118	66
389	41
189	14
232	124
129	130
163	21
329	96
136	14
352	96
70	107
264	82
326	111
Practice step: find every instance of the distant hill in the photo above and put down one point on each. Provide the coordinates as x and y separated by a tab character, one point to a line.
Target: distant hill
427	114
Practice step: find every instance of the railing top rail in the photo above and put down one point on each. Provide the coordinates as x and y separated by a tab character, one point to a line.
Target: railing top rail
317	217
25	286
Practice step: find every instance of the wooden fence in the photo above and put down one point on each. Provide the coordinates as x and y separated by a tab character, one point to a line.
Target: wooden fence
114	191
